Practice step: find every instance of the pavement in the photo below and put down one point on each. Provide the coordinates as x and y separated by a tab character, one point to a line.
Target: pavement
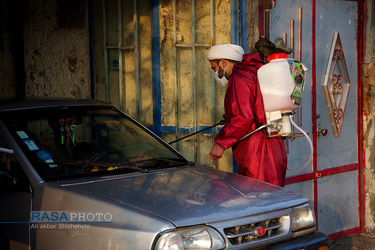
355	241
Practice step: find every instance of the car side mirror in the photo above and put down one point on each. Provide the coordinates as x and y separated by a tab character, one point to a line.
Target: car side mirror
6	174
7	179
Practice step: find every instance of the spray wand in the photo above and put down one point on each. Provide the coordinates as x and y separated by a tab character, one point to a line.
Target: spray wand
222	122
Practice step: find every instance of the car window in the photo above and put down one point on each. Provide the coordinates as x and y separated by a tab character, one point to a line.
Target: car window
85	141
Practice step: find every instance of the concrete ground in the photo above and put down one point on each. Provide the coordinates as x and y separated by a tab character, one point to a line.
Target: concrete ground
358	241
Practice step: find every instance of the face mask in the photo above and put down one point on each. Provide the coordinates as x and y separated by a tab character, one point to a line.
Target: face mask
223	81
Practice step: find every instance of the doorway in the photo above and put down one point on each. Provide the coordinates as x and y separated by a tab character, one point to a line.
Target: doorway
324	37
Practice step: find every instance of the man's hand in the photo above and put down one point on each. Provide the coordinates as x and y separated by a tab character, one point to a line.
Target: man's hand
216	152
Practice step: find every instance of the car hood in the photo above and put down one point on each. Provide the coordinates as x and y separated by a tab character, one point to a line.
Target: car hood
191	195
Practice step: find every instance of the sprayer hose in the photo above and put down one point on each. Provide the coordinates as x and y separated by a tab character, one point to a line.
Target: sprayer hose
311	146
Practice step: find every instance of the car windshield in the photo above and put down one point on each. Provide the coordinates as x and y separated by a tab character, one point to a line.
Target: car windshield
70	142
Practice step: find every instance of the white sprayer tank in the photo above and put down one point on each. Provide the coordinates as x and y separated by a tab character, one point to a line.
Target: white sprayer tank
281	83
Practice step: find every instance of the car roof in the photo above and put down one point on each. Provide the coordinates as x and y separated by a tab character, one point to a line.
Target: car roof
40	103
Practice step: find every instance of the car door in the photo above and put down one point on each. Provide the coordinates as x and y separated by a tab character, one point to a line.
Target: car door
15	204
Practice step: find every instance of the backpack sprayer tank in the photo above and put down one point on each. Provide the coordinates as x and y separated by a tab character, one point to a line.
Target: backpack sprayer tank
281	83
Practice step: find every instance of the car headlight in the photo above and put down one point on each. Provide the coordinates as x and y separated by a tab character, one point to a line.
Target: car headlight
302	217
191	238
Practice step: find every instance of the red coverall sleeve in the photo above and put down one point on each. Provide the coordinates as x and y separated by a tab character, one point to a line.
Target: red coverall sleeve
239	110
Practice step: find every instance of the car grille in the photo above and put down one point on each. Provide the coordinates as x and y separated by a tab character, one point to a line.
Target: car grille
255	231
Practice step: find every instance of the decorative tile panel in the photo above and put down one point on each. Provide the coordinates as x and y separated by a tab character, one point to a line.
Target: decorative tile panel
336	84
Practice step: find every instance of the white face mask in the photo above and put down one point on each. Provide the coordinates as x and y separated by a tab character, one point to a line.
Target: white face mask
223	81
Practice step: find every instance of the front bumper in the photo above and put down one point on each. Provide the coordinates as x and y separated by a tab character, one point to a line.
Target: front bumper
315	240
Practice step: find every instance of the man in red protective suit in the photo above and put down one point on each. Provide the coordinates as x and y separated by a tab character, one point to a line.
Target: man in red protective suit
257	157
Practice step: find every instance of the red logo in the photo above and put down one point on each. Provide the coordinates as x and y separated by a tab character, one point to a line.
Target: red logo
260	231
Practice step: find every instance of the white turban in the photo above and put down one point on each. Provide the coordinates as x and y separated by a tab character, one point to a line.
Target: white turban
225	51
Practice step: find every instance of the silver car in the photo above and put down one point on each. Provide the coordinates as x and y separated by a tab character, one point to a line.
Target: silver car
80	174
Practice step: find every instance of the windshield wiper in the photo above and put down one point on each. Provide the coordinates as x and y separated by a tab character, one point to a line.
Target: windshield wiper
161	162
89	168
89	165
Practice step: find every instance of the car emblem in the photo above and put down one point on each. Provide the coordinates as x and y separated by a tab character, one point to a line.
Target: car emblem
260	231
